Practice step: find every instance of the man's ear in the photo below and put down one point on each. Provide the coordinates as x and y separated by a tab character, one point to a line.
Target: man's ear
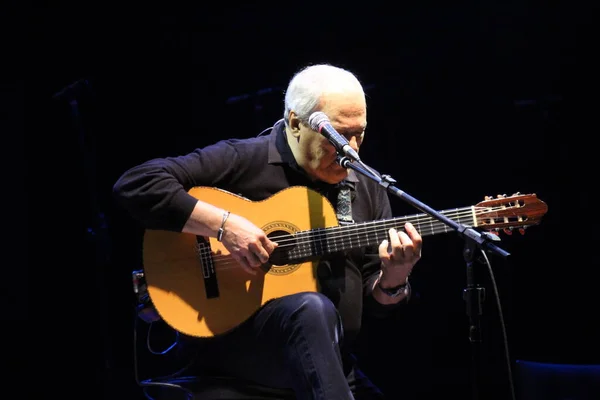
294	124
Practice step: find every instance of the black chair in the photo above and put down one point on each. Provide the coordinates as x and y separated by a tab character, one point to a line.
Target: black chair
549	381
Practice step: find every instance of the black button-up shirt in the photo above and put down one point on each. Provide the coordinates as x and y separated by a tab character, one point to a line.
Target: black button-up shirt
156	194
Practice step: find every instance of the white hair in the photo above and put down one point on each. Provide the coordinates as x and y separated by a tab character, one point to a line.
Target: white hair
306	87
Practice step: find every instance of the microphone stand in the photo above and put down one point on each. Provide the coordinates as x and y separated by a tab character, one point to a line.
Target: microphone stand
473	294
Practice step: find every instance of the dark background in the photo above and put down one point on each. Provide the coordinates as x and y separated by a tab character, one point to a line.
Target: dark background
465	101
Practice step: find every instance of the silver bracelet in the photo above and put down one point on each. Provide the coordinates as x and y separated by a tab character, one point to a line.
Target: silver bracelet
222	229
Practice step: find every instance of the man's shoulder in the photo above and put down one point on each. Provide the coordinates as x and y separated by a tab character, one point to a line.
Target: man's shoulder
247	143
256	147
263	138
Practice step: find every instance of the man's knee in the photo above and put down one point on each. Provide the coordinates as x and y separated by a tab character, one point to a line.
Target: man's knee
312	308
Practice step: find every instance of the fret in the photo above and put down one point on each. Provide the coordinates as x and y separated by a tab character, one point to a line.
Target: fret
445	227
403	220
349	237
418	223
359	242
431	226
336	243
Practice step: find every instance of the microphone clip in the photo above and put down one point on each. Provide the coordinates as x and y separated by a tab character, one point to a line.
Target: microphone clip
343	160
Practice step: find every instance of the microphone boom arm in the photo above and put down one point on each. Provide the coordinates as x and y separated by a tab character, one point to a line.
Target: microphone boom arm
481	239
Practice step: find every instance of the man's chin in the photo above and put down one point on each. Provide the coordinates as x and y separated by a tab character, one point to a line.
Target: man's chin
336	175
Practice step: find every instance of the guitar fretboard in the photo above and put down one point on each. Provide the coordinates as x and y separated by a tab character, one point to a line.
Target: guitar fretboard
323	241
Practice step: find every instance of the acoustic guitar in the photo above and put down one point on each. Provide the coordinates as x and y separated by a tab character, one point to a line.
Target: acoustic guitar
200	290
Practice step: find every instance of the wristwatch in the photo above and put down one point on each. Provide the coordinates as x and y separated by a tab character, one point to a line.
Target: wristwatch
396	290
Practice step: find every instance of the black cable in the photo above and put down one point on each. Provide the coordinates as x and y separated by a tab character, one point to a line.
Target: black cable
154	382
502	326
162	352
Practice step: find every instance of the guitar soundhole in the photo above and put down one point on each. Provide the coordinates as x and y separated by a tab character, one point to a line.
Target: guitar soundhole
287	242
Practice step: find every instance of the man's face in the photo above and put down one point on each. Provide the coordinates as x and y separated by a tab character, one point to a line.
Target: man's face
348	115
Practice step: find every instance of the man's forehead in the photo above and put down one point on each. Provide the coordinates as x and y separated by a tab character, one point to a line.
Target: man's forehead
352	121
345	110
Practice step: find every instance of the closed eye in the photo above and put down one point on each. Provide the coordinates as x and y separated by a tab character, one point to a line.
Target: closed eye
359	136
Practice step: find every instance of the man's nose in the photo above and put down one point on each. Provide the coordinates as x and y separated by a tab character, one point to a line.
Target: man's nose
353	143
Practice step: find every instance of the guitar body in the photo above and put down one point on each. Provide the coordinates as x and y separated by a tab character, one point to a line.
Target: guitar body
200	290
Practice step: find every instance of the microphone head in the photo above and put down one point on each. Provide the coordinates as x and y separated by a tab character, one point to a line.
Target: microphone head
316	120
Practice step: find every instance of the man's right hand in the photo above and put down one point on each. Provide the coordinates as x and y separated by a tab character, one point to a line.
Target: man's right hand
247	243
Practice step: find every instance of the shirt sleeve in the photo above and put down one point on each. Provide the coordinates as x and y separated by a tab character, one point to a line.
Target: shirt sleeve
155	192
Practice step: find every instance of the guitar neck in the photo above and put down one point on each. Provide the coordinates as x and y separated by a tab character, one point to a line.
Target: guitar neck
323	241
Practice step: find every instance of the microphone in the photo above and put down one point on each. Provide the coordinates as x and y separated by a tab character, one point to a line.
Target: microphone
319	122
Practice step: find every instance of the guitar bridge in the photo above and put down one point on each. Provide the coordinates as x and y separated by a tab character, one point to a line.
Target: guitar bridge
209	275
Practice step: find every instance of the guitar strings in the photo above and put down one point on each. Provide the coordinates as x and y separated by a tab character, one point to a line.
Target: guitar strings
355	229
434	226
330	234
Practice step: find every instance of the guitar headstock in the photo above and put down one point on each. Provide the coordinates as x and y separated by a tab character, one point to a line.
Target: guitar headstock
507	213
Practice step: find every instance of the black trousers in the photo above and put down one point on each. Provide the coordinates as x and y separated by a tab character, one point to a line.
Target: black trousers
294	343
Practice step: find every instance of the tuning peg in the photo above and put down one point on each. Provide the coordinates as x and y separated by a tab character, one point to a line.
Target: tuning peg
488	197
501	196
508	231
517	194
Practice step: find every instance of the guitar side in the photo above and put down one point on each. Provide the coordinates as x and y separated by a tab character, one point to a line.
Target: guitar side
176	265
